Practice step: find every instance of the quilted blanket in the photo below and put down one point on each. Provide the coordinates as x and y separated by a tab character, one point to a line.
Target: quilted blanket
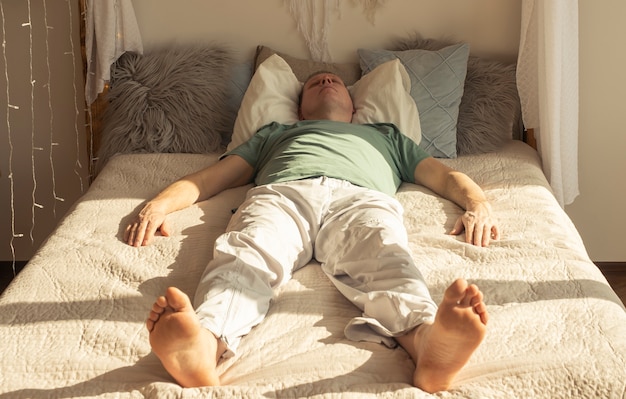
72	322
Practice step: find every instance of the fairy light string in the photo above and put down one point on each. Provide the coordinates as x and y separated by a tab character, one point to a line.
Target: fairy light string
34	203
10	108
37	12
48	86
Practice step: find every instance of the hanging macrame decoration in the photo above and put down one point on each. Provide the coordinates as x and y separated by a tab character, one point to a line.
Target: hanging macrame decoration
313	20
370	7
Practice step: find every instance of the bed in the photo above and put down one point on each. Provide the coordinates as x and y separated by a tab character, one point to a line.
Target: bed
72	322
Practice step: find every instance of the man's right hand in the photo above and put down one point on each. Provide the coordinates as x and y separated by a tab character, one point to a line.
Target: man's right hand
141	231
232	171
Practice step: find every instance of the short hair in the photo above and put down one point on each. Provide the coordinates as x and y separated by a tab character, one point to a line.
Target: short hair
309	78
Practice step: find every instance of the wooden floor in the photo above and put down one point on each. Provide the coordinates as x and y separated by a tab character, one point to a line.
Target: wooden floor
615	273
6	273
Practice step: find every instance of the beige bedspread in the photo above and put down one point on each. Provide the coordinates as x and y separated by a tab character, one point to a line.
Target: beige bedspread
72	322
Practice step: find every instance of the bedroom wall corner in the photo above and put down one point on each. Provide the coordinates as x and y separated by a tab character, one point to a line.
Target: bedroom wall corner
598	212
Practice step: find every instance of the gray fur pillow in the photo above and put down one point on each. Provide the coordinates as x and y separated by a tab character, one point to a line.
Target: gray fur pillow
490	110
173	99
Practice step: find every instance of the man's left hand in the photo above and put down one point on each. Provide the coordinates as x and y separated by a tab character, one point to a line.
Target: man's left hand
479	226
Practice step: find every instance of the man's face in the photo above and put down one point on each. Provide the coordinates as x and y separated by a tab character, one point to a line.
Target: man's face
325	96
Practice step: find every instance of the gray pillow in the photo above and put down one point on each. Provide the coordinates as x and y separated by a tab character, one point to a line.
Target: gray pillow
174	99
490	110
437	81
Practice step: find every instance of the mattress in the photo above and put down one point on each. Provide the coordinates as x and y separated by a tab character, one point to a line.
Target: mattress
72	322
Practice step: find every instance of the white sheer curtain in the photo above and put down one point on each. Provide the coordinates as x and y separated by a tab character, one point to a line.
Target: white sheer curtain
110	30
547	79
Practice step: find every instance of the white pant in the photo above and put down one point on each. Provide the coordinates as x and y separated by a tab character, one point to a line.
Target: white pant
355	233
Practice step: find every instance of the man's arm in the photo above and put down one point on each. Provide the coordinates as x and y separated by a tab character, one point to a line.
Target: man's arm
477	221
232	171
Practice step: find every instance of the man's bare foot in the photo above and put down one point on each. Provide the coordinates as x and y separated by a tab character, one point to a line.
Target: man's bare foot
441	349
188	351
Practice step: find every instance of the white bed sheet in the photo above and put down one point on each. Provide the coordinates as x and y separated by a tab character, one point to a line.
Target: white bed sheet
72	322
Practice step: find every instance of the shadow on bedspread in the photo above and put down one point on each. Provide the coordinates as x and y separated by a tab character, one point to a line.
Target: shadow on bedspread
517	292
147	377
146	369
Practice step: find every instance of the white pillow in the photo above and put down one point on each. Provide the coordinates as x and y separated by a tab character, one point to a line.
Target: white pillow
383	95
272	95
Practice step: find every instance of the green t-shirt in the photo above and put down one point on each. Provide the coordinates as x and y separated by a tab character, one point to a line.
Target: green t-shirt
375	156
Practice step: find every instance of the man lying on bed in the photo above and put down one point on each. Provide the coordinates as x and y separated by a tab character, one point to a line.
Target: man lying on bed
324	189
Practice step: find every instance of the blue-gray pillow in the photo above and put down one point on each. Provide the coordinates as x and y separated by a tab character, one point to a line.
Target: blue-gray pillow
437	81
490	110
237	86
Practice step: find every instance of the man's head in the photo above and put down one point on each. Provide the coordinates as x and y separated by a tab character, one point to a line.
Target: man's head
325	96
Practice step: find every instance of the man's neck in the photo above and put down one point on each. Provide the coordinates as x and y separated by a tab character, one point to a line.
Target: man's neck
329	116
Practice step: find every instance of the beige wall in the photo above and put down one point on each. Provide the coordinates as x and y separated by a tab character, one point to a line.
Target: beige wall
599	212
491	26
